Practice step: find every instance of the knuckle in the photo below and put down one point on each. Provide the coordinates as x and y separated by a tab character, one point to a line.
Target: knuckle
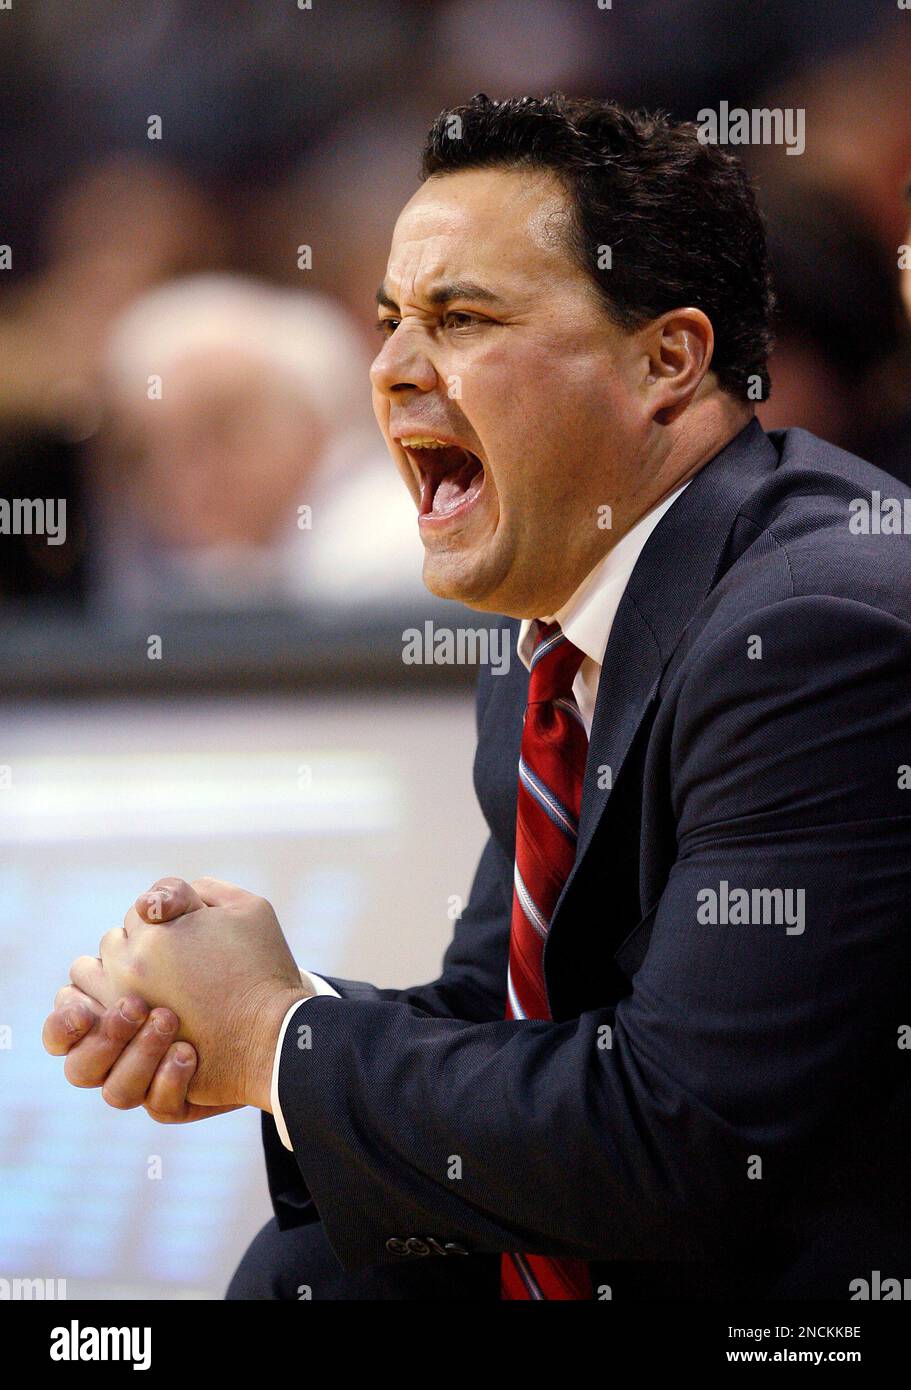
115	1028
79	966
131	974
107	941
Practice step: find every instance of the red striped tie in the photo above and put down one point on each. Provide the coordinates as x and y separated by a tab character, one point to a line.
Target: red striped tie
551	767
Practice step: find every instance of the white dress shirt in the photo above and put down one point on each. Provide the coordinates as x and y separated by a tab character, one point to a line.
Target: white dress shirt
586	618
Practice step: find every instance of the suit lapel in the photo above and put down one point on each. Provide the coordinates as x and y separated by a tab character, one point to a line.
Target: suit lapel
676	570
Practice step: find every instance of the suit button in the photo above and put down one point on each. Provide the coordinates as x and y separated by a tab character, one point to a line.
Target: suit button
418	1247
396	1246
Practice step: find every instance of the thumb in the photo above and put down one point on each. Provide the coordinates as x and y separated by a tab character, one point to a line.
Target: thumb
214	892
166	899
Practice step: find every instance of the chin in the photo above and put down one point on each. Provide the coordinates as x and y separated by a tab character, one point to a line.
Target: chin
459	585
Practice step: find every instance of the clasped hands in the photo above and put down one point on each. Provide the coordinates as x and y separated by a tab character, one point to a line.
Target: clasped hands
180	1010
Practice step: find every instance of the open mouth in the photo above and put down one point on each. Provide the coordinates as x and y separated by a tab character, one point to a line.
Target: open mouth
451	476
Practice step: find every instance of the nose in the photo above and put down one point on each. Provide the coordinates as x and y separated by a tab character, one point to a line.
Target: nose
402	364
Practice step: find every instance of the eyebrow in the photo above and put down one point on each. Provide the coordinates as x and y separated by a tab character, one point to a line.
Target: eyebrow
444	294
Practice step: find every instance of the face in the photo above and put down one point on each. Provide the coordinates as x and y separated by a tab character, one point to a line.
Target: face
225	453
509	401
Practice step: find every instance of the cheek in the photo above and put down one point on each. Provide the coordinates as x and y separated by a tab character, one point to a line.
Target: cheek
523	399
483	383
408	479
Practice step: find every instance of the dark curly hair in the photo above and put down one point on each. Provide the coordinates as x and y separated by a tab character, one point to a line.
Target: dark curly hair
679	216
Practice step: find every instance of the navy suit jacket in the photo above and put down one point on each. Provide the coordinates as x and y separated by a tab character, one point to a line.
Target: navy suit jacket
718	1107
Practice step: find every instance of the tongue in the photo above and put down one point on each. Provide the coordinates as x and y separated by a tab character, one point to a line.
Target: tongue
456	487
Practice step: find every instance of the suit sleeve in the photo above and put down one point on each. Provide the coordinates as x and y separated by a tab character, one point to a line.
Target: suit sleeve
636	1133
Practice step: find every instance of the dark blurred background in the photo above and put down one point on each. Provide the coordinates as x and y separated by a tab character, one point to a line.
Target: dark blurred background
250	519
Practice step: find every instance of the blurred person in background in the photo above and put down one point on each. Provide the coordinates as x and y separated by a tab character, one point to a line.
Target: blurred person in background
857	102
838	321
891	447
108	233
247	472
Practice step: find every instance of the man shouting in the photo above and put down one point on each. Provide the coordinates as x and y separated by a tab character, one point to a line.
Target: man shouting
664	1056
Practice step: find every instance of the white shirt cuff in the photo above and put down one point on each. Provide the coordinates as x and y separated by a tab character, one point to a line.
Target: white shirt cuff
319	986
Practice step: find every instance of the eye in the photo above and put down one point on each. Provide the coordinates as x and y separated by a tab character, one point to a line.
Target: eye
461	318
387	326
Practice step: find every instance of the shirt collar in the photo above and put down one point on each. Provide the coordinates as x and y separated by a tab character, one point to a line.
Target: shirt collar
587	616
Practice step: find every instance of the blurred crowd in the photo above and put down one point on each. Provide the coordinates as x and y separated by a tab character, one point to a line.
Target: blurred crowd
185	321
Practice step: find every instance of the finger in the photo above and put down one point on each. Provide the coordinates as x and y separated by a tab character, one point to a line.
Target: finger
90	1062
215	892
166	899
166	1097
87	974
69	995
191	1112
132	1071
66	1027
109	945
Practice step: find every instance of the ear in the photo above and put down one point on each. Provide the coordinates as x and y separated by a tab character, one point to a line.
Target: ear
678	348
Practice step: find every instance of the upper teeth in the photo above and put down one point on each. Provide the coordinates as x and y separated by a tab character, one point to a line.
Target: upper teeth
421	441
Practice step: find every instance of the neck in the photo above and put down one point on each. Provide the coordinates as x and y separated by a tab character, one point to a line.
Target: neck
676	452
697	436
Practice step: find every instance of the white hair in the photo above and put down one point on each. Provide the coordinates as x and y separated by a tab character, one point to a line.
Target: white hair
301	332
